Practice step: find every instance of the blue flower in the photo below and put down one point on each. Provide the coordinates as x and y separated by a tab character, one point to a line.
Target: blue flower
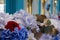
15	35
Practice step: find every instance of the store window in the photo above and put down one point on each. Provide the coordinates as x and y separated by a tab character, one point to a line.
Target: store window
1	5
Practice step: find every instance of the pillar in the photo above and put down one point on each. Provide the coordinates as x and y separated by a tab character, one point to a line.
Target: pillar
19	4
10	6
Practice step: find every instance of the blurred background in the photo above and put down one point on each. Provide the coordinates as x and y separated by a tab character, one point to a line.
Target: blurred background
31	6
45	16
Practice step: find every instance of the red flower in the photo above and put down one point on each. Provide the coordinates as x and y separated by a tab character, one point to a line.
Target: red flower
58	16
11	25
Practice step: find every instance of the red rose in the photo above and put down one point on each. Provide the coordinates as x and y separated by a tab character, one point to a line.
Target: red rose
11	25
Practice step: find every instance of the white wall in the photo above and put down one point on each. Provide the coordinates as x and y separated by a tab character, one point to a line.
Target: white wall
35	7
1	7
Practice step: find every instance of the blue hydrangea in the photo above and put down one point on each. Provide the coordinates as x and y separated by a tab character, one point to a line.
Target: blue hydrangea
15	35
57	37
